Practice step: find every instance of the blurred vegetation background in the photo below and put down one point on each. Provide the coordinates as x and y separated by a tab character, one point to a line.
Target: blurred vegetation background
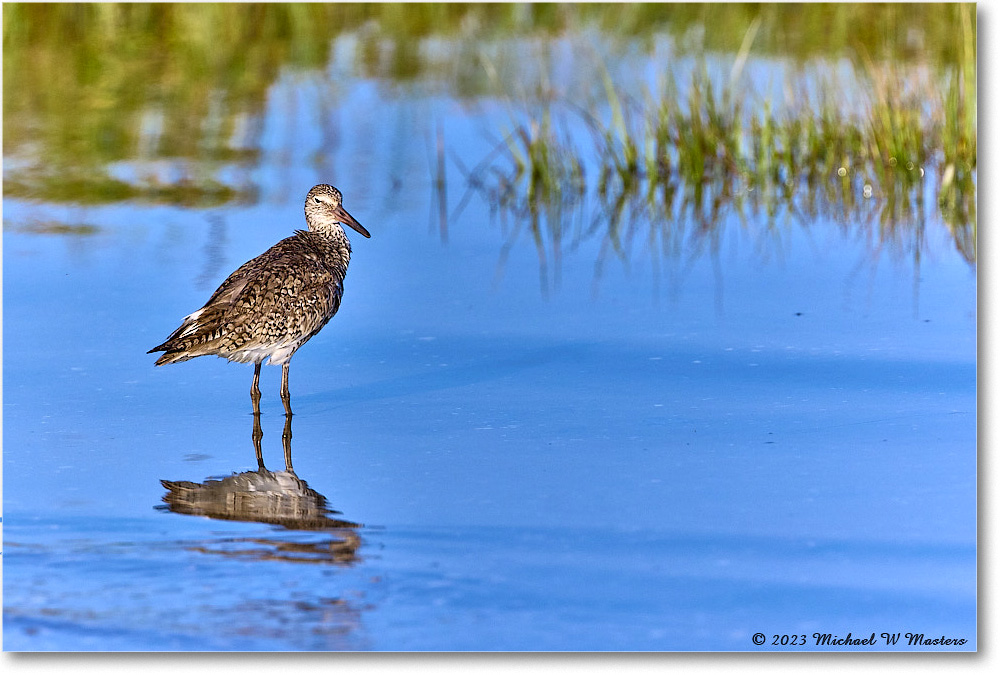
180	89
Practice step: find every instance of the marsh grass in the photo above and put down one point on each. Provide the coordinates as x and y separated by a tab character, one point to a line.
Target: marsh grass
92	87
678	160
550	171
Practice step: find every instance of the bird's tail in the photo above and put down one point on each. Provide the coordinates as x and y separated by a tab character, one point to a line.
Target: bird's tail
171	355
194	337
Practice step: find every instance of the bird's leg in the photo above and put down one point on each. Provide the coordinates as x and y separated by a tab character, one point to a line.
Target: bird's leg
255	389
286	398
286	442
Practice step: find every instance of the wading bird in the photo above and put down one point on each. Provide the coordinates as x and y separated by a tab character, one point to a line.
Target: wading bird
273	304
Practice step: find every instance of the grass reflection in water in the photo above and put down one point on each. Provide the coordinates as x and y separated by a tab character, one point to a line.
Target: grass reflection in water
706	145
166	103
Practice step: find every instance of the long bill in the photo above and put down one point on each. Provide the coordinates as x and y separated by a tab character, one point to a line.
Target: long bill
346	218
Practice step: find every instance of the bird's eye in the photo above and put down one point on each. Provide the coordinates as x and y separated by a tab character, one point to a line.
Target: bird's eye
317	200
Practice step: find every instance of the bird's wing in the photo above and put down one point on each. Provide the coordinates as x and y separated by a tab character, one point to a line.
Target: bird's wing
223	297
286	294
300	292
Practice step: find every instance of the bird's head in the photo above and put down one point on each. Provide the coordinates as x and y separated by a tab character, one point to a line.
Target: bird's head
324	207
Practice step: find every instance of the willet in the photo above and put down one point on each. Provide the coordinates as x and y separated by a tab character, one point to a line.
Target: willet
274	303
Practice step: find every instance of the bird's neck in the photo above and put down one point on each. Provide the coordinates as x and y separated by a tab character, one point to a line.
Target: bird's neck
333	235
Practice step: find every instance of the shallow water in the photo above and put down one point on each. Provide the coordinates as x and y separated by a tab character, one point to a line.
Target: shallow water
674	453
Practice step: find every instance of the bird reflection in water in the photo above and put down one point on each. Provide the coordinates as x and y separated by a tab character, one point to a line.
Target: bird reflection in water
273	497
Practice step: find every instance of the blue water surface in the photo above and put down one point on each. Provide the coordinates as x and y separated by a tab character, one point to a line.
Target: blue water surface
654	453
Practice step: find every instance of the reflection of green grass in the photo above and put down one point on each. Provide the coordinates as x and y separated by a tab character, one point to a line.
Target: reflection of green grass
100	189
49	227
86	85
548	165
696	149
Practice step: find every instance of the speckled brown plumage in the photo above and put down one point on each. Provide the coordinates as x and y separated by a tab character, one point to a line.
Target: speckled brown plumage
273	304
